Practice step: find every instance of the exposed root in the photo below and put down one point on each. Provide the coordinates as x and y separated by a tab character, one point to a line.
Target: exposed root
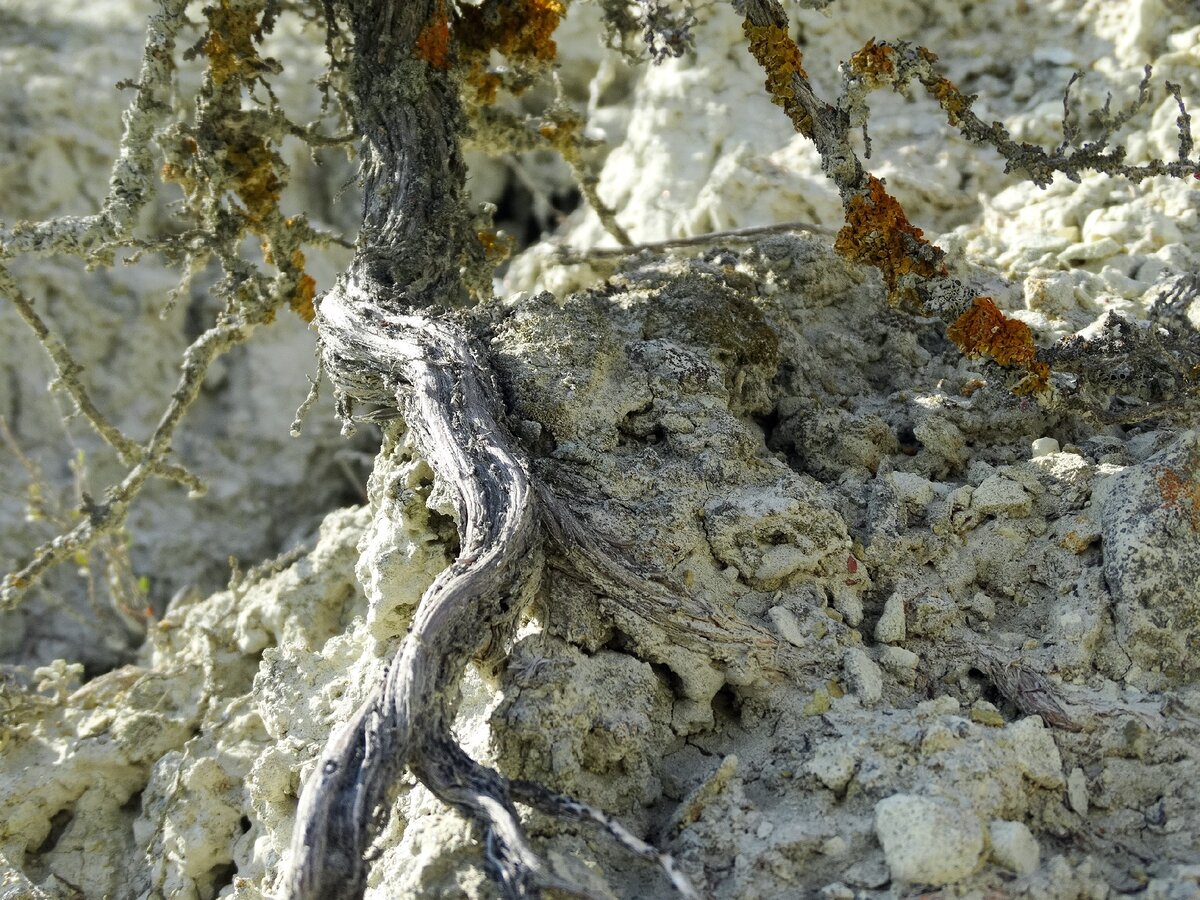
686	621
383	349
449	404
533	794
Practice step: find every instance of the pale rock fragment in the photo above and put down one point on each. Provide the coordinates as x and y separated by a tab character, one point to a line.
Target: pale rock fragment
835	846
1149	517
982	606
933	615
890	628
833	765
836	891
998	495
1043	446
927	840
914	491
1090	251
1035	752
945	705
787	626
900	662
1014	847
871	872
849	603
863	675
1077	791
939	737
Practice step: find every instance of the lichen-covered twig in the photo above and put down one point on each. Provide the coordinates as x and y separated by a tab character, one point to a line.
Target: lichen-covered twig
134	176
897	64
877	231
224	152
68	375
559	128
109	515
732	235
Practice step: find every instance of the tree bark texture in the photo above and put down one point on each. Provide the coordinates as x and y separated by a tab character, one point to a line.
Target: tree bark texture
381	349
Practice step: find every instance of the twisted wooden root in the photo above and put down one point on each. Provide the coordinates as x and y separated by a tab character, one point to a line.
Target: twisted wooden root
449	404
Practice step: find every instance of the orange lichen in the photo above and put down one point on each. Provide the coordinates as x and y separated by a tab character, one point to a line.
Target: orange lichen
1180	492
519	29
251	166
229	44
1075	542
301	300
560	131
985	331
497	246
779	56
174	174
433	43
949	98
878	233
873	64
487	84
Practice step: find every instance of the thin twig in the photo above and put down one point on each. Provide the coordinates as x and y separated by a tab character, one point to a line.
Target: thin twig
68	375
749	233
105	517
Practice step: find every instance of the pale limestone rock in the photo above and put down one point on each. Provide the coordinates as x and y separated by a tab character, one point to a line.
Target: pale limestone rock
833	765
1077	791
927	840
863	675
1014	846
890	628
1043	446
998	495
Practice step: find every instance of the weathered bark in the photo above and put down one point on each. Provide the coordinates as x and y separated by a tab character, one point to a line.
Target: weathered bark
383	346
390	339
380	349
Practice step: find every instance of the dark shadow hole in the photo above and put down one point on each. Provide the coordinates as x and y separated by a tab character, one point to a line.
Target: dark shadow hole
58	825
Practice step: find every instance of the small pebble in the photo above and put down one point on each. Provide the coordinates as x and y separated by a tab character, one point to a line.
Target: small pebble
1043	446
890	628
1014	847
928	841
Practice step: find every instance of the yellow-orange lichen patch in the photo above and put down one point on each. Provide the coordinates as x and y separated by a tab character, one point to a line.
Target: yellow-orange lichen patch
520	29
953	101
486	84
229	44
874	64
497	246
251	166
433	43
878	233
983	330
301	300
781	59
1180	492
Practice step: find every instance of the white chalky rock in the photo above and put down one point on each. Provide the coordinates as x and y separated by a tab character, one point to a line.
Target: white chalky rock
900	662
891	627
863	675
913	490
928	841
833	765
1077	791
1014	847
787	626
998	495
1043	446
1035	752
